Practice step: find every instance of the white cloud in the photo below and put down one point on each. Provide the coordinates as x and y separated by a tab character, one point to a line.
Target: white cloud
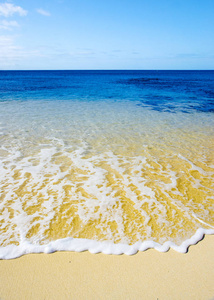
7	47
13	55
8	25
9	9
43	12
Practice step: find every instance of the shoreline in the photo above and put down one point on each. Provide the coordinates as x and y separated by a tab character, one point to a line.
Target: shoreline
94	247
145	275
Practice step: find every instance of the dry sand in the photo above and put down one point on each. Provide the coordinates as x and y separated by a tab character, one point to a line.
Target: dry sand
146	275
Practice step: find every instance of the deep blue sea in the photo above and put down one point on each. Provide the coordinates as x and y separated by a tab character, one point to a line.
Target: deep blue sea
111	161
170	91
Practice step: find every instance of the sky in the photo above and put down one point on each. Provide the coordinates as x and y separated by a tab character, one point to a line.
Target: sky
106	34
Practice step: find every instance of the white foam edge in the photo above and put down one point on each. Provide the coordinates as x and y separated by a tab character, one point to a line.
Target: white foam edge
79	245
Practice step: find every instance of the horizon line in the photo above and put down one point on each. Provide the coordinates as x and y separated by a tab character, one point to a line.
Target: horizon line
106	70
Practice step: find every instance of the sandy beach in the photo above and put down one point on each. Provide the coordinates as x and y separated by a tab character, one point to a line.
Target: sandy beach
146	275
106	150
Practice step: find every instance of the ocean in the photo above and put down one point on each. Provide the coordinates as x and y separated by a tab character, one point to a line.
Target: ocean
105	161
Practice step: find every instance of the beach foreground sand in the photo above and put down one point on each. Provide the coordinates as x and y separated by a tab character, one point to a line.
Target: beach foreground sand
146	275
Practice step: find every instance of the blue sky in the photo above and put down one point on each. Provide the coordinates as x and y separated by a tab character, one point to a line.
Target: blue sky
101	34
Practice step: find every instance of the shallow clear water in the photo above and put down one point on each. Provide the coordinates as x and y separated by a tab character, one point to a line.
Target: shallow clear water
117	156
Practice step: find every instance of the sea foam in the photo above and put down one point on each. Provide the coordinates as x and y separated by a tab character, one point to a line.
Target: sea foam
79	245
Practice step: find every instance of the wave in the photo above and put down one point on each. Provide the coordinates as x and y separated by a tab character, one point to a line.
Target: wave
80	245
